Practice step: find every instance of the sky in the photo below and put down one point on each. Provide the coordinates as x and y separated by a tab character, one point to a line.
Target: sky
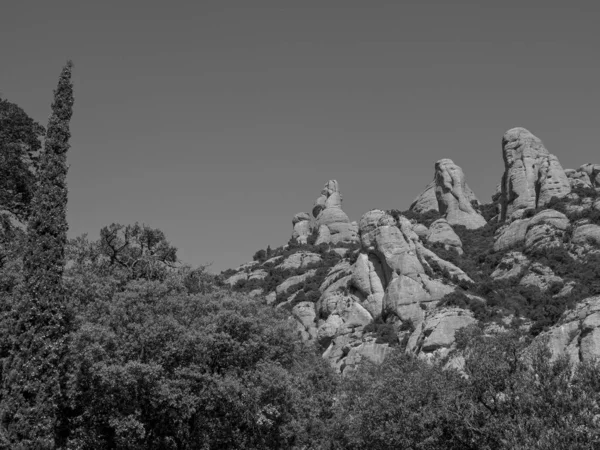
217	121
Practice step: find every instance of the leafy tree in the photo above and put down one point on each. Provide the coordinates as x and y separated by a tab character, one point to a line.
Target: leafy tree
19	148
136	250
403	403
32	385
153	370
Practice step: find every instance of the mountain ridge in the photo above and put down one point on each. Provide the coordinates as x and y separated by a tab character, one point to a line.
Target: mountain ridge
411	278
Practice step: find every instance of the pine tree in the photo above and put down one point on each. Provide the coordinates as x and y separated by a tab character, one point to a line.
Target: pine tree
31	385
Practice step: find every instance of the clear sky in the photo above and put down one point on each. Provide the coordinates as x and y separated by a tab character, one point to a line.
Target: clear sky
217	121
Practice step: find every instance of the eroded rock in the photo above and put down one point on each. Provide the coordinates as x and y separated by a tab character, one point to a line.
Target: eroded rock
332	222
577	334
302	227
440	232
454	203
532	176
299	260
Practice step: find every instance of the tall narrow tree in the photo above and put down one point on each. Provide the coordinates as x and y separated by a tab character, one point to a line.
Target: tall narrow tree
31	385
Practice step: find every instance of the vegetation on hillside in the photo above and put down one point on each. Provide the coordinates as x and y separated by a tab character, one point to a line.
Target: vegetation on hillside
113	343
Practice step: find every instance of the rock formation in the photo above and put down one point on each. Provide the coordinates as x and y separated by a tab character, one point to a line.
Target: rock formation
544	230
427	200
332	223
577	333
515	265
454	203
299	260
532	176
440	232
302	227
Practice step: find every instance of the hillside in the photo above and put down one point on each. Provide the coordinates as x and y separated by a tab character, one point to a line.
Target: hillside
411	279
482	319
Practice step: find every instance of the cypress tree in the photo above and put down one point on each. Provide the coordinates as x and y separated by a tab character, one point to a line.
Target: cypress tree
32	380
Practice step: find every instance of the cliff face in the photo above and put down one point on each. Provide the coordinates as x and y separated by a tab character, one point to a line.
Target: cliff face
532	176
403	280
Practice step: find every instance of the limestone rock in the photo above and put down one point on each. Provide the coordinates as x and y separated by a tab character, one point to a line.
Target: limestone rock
371	351
271	297
340	270
587	237
421	230
593	173
394	261
578	178
439	328
302	227
540	276
332	222
299	260
544	230
454	203
577	334
273	260
430	259
304	313
441	232
367	278
232	280
258	274
513	264
328	330
427	200
511	235
293	281
532	176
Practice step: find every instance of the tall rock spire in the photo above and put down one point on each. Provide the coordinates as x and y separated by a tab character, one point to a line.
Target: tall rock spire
532	176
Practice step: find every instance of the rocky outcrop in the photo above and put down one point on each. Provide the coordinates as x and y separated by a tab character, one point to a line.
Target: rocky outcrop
578	178
293	281
532	176
394	261
332	223
427	200
515	265
577	334
586	238
302	227
392	279
437	331
540	276
299	260
454	203
304	313
232	280
592	171
440	232
545	229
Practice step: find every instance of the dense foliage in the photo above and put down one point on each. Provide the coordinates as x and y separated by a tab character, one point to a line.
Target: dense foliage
19	153
512	397
38	321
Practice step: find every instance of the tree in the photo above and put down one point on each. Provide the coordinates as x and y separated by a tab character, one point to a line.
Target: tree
32	383
19	147
140	251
